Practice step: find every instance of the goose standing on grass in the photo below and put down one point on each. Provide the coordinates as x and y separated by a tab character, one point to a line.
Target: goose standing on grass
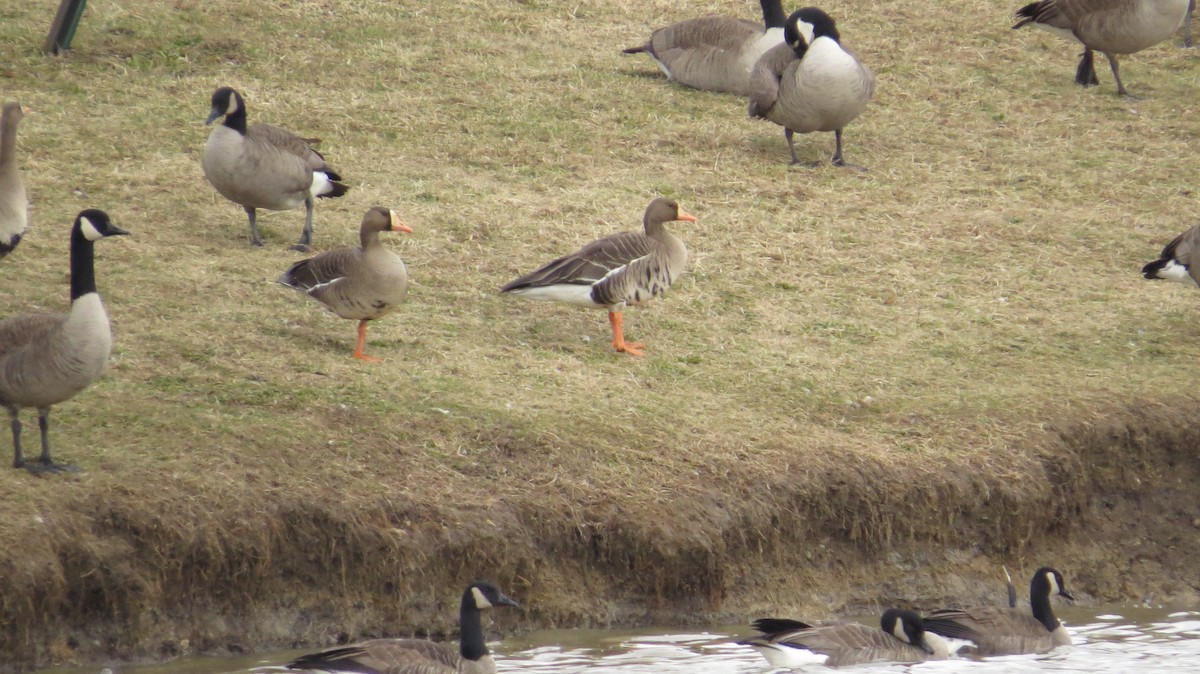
14	206
362	283
808	86
264	166
418	656
1175	261
48	358
1009	631
715	53
1109	26
623	269
901	638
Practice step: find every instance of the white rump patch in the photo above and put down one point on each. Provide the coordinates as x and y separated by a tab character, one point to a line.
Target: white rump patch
89	229
481	602
789	657
1173	271
579	295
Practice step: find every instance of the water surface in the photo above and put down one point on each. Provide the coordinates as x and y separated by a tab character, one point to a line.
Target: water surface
1112	640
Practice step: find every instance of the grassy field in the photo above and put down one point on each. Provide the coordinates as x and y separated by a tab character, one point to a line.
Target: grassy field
853	360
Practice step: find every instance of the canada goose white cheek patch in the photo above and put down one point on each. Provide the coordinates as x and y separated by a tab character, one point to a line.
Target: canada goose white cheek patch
481	602
232	107
1055	588
89	229
321	184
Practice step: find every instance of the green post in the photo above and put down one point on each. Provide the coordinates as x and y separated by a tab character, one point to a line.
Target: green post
63	29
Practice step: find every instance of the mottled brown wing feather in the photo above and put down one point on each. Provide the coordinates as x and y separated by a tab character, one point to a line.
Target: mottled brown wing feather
385	656
588	264
286	141
24	329
994	630
706	31
322	269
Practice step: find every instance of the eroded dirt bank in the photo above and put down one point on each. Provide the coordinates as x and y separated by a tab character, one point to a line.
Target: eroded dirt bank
106	575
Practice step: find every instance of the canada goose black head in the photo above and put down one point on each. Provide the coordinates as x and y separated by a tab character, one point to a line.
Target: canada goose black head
906	626
1047	582
821	23
94	224
484	595
227	103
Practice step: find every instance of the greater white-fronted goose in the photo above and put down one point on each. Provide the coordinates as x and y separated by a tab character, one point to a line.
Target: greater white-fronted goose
418	656
1175	261
1009	631
1109	26
14	206
264	166
627	268
363	283
48	358
715	53
810	86
901	638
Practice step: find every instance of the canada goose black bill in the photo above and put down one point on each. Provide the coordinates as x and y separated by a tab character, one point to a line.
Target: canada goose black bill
1112	27
264	166
46	358
14	205
1009	631
1175	261
623	269
418	656
901	637
363	283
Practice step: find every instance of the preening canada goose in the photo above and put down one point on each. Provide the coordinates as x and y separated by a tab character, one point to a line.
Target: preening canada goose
810	86
1175	261
14	206
264	166
1009	631
627	268
48	358
1109	26
715	53
418	656
901	638
362	283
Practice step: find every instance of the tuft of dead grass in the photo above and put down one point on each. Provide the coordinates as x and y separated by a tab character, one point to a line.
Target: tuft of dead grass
944	360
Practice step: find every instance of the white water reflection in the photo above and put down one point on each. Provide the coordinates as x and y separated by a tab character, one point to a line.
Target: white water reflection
1114	641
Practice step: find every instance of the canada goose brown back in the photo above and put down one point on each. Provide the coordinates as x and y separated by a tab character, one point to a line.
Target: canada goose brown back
264	166
715	53
14	206
1009	631
363	283
1112	27
808	86
418	656
48	358
1175	261
901	637
619	270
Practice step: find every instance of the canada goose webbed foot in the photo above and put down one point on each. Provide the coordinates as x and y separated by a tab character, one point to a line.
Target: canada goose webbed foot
48	467
301	247
1085	74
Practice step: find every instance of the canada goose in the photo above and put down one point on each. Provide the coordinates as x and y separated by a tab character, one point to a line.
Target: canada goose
48	358
627	268
1109	26
14	207
1187	23
810	86
362	283
1175	261
418	656
1009	631
901	638
715	53
264	166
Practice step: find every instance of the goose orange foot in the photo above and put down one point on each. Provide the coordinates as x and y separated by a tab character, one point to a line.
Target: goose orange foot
619	343
362	340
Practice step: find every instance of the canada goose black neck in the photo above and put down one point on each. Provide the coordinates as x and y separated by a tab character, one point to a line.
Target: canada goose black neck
773	16
1045	582
90	226
477	596
229	103
8	132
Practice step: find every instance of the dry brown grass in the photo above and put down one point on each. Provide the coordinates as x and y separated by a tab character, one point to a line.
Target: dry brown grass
855	361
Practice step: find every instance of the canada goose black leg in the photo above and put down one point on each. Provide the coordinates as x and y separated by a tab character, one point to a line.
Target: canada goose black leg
306	236
252	213
1085	74
45	463
1187	24
18	457
1116	71
837	159
788	133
